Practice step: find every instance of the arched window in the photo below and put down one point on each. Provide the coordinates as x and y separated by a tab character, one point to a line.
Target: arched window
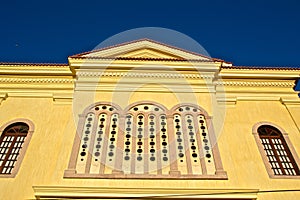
13	140
276	152
145	140
146	145
193	141
99	130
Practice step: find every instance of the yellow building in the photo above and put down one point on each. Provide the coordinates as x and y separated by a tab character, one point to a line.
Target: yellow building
149	121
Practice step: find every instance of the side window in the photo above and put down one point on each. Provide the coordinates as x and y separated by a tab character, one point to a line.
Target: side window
13	142
276	151
193	141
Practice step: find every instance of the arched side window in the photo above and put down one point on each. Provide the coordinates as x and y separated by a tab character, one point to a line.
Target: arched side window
145	140
13	143
99	130
194	141
277	151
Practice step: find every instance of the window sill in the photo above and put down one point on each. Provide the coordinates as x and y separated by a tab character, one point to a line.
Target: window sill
120	175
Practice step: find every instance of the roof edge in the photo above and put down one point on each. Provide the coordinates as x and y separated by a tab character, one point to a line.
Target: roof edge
149	40
34	64
145	59
262	67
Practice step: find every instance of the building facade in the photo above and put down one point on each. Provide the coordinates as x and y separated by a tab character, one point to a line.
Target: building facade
150	121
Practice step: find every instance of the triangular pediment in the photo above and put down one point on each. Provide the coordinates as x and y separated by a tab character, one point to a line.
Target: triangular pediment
144	48
148	53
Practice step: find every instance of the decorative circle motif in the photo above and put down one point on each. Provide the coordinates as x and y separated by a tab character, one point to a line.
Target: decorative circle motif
151	139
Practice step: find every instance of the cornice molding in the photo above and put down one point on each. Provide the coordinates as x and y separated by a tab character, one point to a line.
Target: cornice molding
145	75
153	89
290	101
58	98
141	66
36	80
263	73
35	69
288	84
231	99
63	98
248	68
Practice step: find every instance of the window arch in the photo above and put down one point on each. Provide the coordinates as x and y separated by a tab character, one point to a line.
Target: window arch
277	151
193	141
99	130
14	140
146	144
141	141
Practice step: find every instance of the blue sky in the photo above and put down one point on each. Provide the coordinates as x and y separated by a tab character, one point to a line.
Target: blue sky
263	33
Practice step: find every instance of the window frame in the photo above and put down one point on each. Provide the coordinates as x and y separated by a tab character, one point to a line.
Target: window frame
263	152
24	146
71	171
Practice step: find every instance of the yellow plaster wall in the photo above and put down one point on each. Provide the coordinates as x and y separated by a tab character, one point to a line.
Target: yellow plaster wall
43	154
238	148
55	127
294	111
55	120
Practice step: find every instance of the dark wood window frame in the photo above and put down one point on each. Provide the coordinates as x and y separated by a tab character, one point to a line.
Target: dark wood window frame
287	146
20	138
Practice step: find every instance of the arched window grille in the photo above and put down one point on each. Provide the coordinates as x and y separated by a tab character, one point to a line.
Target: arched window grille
12	140
145	140
146	145
98	143
277	151
193	142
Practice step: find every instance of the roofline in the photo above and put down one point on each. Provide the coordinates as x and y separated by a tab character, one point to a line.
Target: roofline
149	40
144	59
262	67
292	68
33	64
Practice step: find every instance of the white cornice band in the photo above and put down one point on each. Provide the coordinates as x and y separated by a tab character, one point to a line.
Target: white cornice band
257	83
144	75
35	80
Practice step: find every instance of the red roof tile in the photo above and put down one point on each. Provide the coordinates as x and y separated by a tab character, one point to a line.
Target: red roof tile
34	64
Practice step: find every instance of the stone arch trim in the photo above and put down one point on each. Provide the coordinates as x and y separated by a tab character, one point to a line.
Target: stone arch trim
145	102
90	107
258	124
263	152
25	145
202	110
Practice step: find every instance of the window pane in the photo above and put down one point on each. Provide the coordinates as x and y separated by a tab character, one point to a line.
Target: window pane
11	142
277	151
